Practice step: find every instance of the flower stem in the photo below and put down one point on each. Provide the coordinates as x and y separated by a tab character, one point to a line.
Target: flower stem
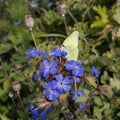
33	37
75	84
20	103
65	23
71	15
88	100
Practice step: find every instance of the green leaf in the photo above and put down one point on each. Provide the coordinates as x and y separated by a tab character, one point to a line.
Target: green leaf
50	35
15	37
118	33
115	83
4	91
92	81
98	100
106	106
5	47
3	117
102	19
81	99
97	113
64	96
55	114
116	16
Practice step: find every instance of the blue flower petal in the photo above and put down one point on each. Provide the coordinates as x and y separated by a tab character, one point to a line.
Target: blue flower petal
67	88
51	93
32	53
95	71
81	105
77	94
57	52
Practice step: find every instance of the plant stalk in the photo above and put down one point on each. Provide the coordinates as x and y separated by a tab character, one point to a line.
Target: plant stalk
33	37
65	23
88	100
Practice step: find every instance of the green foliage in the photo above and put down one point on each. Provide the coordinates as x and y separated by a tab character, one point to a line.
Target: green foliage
98	24
116	16
102	19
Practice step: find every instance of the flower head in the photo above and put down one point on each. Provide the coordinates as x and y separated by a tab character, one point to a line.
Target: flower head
35	76
50	93
34	5
2	1
81	105
57	52
76	67
32	53
16	22
61	84
48	68
77	94
95	71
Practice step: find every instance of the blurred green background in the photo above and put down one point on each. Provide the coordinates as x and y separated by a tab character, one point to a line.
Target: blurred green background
98	22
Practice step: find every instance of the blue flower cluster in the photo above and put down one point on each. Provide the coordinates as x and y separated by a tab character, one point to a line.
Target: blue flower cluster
36	114
59	74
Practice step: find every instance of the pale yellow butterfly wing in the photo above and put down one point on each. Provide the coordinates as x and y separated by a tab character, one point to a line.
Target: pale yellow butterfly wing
71	44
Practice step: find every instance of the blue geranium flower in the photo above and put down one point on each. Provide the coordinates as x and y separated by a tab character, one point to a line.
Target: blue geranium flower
50	93
34	5
76	67
61	84
81	105
16	22
57	52
77	94
35	76
32	53
95	71
48	68
36	114
2	1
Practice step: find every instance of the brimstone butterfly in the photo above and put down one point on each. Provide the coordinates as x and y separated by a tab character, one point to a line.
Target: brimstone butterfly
71	45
